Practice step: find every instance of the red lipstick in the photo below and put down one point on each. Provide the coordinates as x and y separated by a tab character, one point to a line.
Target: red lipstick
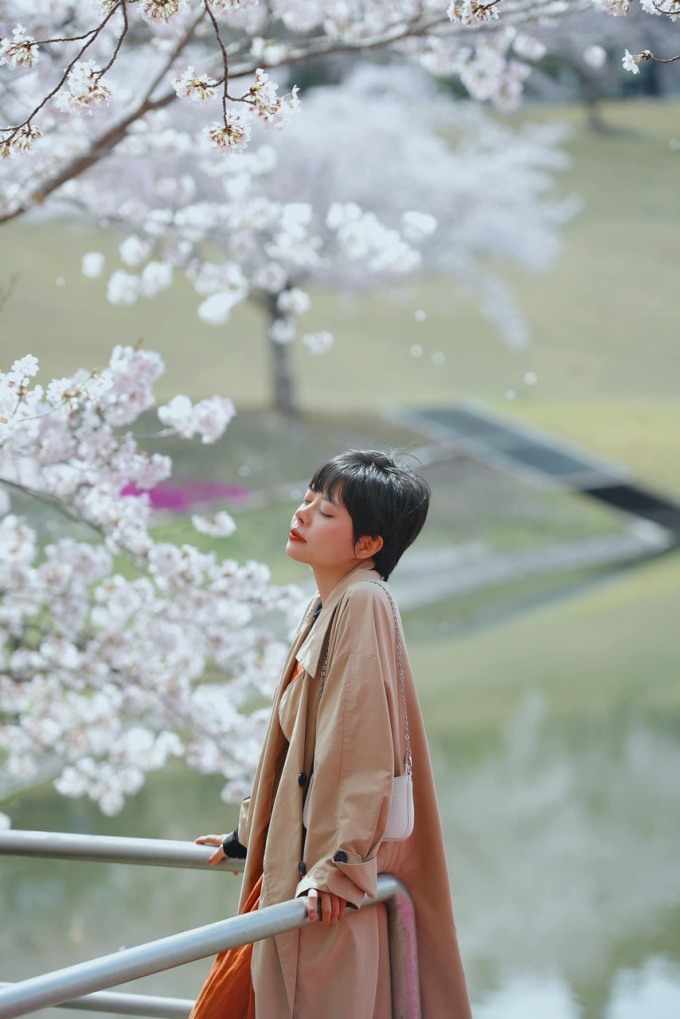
294	535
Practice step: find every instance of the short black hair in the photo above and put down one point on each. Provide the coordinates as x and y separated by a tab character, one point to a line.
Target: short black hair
384	497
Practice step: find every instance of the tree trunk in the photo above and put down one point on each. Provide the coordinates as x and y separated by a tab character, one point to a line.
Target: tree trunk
283	381
591	95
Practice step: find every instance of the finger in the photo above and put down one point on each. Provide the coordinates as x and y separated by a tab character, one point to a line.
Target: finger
326	909
217	856
341	908
313	904
210	840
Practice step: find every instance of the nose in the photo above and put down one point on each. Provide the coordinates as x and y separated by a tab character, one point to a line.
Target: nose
301	512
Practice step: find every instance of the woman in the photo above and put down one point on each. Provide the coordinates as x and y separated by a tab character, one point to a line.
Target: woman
338	717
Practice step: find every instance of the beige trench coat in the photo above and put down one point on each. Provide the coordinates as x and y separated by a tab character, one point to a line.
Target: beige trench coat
343	971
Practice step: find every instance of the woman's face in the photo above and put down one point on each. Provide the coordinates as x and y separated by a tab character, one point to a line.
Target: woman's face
322	535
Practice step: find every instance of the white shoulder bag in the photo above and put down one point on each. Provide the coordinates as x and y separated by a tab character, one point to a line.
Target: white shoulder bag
401	818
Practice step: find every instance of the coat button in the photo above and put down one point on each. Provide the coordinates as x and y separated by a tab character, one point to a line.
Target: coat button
302	868
340	857
302	779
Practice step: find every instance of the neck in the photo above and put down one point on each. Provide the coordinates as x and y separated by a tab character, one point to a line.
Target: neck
326	580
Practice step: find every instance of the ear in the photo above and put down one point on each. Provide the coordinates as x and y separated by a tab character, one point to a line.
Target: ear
367	546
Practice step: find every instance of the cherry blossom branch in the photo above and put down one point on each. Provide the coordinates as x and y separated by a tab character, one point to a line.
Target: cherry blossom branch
225	57
121	37
660	60
111	137
90	36
235	63
632	61
54	502
672	8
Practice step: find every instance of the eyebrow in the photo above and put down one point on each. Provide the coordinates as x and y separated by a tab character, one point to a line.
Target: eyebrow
327	497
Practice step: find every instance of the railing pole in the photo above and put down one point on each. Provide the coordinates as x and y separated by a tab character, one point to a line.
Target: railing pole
401	920
147	1005
153	957
111	849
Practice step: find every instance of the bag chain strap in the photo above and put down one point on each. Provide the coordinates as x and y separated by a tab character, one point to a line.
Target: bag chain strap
402	682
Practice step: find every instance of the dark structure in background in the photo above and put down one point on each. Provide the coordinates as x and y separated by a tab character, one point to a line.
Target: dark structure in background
548	460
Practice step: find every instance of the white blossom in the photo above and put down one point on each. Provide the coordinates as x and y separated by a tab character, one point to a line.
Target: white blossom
615	7
160	10
472	13
417	225
25	367
220	525
196	87
528	47
207	418
282	330
266	104
156	276
294	301
631	62
595	56
18	141
123	288
211	417
92	264
270	276
318	343
19	51
232	134
134	251
85	89
232	5
216	309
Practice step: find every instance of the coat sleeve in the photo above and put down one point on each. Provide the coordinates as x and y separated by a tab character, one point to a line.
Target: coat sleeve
354	761
243	829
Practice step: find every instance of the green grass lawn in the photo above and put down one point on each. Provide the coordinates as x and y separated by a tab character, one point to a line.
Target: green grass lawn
612	651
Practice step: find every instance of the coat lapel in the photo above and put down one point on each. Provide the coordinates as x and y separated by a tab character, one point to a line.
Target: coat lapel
310	651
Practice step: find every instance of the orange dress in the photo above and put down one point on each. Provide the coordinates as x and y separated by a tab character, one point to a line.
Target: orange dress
228	989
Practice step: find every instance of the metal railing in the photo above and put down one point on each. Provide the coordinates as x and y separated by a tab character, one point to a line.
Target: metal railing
108	849
73	986
127	1004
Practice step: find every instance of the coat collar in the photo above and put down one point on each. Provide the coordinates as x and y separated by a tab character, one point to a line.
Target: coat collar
309	652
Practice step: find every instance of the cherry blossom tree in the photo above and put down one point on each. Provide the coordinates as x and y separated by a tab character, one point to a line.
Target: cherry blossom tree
119	651
458	194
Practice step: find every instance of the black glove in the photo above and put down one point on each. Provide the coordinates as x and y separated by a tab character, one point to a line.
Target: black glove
233	848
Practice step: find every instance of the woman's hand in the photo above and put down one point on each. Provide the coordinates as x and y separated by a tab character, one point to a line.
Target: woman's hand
326	906
214	840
